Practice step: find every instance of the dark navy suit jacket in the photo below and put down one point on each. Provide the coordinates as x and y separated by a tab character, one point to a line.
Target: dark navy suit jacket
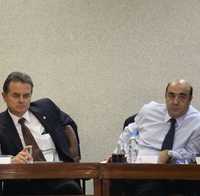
50	116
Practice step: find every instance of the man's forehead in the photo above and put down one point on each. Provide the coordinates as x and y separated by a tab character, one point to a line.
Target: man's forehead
19	83
19	87
179	87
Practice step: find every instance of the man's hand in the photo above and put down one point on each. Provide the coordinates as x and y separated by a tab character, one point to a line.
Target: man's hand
163	157
108	160
22	157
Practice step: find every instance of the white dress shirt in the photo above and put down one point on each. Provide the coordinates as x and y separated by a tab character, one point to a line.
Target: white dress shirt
42	138
152	123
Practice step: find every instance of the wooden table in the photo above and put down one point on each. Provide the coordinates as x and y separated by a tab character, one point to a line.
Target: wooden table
53	171
100	173
146	171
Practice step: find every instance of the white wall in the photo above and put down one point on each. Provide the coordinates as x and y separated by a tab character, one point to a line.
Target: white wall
101	60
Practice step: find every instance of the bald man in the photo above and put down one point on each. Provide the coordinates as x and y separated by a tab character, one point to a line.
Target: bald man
153	123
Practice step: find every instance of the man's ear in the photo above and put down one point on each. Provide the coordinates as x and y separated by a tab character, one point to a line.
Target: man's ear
3	95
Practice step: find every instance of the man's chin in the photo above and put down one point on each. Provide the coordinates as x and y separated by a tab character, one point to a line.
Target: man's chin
20	113
176	114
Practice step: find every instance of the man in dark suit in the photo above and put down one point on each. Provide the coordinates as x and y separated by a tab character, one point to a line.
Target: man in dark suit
49	127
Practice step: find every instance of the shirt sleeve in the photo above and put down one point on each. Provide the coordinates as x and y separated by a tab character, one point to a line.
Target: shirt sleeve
190	150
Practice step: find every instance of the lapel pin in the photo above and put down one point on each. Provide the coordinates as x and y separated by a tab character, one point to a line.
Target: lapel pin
44	117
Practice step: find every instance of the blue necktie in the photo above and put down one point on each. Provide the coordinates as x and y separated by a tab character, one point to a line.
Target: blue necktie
169	138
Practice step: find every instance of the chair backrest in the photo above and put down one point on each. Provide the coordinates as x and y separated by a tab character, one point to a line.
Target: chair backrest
129	120
73	142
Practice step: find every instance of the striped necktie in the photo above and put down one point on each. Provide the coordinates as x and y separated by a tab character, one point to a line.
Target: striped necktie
29	140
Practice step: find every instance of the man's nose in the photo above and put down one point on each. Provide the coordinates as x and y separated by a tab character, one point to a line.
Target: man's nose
21	98
176	100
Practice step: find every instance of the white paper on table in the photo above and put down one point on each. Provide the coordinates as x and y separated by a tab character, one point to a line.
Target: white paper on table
5	159
198	160
147	159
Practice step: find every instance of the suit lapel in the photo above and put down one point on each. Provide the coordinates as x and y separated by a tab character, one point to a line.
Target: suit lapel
41	117
11	131
53	129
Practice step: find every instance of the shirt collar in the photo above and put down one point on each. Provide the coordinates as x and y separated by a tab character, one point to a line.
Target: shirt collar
178	120
16	118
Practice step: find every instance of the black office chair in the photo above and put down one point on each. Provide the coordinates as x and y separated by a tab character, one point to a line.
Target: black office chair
129	120
74	149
